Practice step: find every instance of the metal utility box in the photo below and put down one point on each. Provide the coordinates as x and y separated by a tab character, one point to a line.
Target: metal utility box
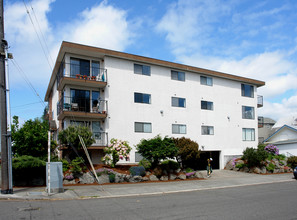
56	177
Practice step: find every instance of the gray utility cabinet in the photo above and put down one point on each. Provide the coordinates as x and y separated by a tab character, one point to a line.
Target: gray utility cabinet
56	177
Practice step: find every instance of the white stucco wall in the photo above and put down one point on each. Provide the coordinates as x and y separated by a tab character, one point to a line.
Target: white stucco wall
225	94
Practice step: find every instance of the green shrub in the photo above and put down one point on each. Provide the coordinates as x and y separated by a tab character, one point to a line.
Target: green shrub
76	166
188	152
111	177
169	165
254	157
240	165
65	164
24	162
189	170
270	167
292	162
156	149
145	163
137	171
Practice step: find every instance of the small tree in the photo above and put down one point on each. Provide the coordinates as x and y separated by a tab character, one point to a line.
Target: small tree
115	151
157	149
31	138
70	136
188	152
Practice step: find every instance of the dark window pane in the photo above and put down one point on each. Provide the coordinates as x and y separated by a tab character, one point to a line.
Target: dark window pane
138	97
181	76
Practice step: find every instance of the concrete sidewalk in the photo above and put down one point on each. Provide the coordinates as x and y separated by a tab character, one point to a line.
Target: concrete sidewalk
219	179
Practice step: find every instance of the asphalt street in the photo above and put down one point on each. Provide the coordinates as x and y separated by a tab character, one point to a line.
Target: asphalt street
263	201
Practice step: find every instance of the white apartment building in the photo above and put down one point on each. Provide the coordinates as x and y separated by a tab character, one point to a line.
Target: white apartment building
130	97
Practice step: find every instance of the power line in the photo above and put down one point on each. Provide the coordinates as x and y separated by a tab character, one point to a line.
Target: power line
27	80
37	36
42	35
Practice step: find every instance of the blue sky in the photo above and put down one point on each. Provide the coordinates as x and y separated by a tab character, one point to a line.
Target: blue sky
250	38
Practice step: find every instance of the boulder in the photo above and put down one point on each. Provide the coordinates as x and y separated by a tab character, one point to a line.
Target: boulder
164	178
182	176
245	169
119	178
86	178
145	178
257	170
199	175
263	170
103	178
229	165
153	178
172	176
65	182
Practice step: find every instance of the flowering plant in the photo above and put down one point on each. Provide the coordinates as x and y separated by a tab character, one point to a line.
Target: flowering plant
85	76
272	149
100	171
117	150
77	75
69	177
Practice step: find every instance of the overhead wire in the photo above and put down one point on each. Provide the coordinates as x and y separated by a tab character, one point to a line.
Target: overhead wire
38	36
22	73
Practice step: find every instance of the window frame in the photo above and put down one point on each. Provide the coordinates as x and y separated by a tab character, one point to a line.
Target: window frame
142	130
244	134
144	68
206	80
179	102
180	128
143	98
245	113
245	92
209	105
209	131
178	75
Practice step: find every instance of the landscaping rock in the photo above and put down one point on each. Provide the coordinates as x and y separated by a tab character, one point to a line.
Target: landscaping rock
245	169
172	176
182	176
135	179
147	173
119	178
103	178
199	175
145	178
164	178
69	182
86	178
257	170
263	170
153	178
229	165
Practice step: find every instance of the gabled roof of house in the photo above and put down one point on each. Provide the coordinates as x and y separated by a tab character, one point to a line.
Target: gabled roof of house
280	129
68	47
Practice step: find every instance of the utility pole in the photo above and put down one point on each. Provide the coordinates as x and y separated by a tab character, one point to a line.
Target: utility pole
5	177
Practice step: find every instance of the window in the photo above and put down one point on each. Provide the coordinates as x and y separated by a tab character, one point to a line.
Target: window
206	105
143	127
207	130
142	98
248	112
178	102
247	90
179	129
79	66
248	134
175	75
95	68
142	69
80	100
206	80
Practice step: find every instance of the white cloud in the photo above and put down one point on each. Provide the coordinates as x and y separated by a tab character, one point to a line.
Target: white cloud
103	26
287	107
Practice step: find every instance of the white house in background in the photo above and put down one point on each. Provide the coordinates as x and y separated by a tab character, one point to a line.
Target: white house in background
285	137
130	97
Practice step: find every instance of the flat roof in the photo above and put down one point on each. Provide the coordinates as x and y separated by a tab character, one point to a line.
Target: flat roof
74	48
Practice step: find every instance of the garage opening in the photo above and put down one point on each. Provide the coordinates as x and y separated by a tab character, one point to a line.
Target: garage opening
204	155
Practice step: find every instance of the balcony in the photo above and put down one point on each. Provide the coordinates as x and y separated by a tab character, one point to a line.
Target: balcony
101	140
260	101
260	122
73	74
81	107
